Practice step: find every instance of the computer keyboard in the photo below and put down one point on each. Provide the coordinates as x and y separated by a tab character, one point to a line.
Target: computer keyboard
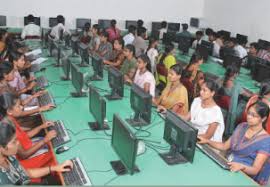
78	175
42	82
162	115
62	135
221	161
45	99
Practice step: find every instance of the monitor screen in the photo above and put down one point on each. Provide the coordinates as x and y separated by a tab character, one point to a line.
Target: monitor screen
124	143
263	44
52	22
104	23
184	43
194	22
3	21
156	26
241	38
36	20
175	27
129	22
208	45
80	22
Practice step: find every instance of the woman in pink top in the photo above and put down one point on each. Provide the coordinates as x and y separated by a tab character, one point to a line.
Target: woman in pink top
113	31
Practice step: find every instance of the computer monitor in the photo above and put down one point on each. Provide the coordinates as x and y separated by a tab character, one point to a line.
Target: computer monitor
184	43
52	22
155	34
182	138
77	81
261	71
80	22
104	23
169	37
203	51
97	107
83	52
141	103
97	64
194	22
208	45
36	20
156	26
74	45
263	44
125	145
116	82
3	21
241	38
174	27
226	51
130	22
66	69
232	60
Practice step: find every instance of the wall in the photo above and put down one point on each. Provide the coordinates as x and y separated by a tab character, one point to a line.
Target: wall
148	10
246	17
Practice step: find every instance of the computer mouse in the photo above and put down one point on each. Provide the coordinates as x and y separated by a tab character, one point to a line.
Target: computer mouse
141	148
61	149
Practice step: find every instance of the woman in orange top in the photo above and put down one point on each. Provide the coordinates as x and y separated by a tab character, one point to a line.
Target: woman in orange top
194	65
264	96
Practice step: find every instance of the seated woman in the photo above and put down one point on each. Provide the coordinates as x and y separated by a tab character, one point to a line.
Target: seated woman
128	68
105	47
12	172
205	114
143	77
249	145
118	56
264	96
194	65
174	97
29	147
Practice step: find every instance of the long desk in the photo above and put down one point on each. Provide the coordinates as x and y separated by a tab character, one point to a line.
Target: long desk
95	150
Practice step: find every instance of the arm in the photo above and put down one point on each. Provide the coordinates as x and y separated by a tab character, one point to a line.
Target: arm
217	145
146	87
210	131
36	130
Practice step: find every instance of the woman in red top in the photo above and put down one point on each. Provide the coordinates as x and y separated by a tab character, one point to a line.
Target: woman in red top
113	31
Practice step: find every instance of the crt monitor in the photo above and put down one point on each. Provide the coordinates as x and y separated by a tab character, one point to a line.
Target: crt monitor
97	107
182	138
184	43
77	81
52	22
36	20
208	45
156	26
80	22
104	23
174	27
66	68
116	82
83	52
130	22
3	21
97	64
194	22
125	145
241	38
261	71
141	103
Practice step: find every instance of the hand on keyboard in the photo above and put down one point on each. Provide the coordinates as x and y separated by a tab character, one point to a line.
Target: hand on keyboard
39	93
235	166
47	124
50	135
64	167
46	108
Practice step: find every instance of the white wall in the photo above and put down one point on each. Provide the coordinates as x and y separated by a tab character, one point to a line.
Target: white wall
148	10
248	17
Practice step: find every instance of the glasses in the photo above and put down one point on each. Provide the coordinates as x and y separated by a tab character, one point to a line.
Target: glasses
253	115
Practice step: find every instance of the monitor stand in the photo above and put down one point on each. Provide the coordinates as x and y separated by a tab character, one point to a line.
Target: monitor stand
120	169
113	96
96	127
78	94
64	78
173	156
96	78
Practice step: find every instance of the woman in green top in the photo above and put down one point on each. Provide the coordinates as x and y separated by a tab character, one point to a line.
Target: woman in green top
166	60
11	172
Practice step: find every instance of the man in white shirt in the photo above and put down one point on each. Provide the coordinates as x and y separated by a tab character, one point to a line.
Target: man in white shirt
198	41
56	30
163	29
240	51
129	38
31	29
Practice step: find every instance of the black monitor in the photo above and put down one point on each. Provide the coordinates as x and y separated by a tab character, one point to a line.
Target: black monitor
226	51
203	51
52	22
261	71
168	37
155	34
80	22
66	69
156	26
241	38
3	21
74	45
232	60
77	81
174	27
116	82
130	22
184	43
36	20
83	52
182	138
194	22
141	103
208	45
263	44
97	106
125	144
104	23
97	64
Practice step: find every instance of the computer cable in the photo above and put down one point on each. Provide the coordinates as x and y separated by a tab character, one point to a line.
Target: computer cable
101	171
84	139
65	100
76	133
112	179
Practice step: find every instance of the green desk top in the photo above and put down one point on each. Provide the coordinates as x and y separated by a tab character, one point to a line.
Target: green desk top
96	152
